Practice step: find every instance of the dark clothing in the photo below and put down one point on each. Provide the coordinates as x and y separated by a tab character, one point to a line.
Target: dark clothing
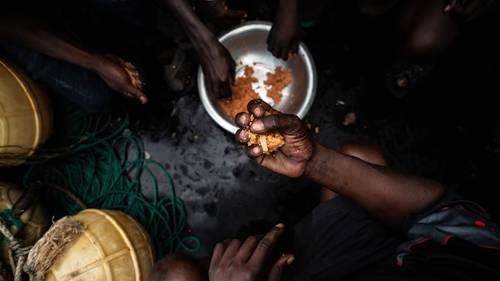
337	239
78	85
340	241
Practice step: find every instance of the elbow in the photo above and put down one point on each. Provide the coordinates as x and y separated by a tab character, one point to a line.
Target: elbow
435	192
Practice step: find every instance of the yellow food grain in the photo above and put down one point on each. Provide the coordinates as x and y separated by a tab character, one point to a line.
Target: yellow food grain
277	81
269	143
242	93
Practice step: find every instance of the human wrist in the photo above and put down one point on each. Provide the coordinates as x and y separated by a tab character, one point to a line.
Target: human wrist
322	164
203	39
314	162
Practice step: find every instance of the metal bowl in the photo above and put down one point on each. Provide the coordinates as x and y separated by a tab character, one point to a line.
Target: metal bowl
247	44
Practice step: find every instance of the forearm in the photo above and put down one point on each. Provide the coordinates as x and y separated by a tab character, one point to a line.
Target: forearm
197	32
288	5
27	34
387	195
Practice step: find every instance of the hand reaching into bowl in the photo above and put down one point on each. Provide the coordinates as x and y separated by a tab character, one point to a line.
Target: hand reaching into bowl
284	37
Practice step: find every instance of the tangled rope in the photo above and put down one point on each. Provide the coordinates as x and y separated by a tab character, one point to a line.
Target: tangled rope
17	253
105	168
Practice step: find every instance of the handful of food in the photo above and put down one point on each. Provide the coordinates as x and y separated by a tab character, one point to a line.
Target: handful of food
268	142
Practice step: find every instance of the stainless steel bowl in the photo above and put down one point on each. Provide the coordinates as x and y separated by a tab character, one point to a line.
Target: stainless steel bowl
247	45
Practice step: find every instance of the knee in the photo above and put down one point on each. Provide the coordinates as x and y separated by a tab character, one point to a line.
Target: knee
366	152
176	269
423	45
429	39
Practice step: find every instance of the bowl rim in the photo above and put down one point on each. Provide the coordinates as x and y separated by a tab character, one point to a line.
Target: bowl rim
303	50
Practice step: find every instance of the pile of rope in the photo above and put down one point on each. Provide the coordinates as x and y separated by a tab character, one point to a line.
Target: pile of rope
102	167
17	252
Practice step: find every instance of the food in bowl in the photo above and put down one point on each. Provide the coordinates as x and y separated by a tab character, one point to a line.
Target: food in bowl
243	92
277	81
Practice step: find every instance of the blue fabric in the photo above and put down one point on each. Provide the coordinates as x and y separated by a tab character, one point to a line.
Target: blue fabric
78	85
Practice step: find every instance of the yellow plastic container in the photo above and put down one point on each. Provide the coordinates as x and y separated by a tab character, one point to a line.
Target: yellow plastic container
25	115
113	247
35	219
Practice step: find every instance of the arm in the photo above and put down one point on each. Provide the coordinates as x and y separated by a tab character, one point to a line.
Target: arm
389	196
197	32
218	65
28	34
118	74
247	261
284	36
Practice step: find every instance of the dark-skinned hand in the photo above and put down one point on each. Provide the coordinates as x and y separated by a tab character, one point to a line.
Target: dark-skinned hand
218	68
121	76
284	36
236	261
291	159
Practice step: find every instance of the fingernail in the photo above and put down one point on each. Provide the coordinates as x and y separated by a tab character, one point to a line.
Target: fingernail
258	126
280	225
290	260
256	150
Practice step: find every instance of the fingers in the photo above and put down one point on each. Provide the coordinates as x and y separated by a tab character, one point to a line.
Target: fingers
225	90
254	151
135	77
285	123
266	245
231	250
242	119
131	70
135	88
277	269
217	254
260	108
133	92
283	54
242	136
271	43
211	87
275	50
291	51
219	88
247	248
